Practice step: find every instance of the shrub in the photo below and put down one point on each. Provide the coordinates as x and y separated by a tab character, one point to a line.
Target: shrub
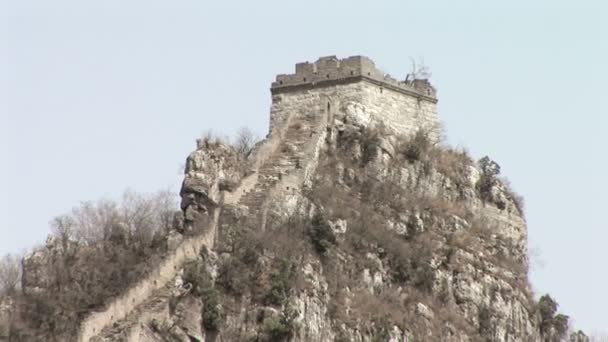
233	275
202	286
282	278
453	163
547	308
484	186
211	313
416	146
424	277
278	328
321	235
196	275
553	327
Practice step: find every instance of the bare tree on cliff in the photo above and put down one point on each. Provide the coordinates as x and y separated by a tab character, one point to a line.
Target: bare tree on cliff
418	71
244	142
10	274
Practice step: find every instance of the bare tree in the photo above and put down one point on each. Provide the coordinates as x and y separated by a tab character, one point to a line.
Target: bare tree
146	214
94	220
165	206
10	274
418	70
136	215
63	227
244	142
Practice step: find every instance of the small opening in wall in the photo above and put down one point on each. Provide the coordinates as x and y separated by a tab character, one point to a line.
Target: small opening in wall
381	90
280	82
368	74
352	72
328	107
304	79
327	75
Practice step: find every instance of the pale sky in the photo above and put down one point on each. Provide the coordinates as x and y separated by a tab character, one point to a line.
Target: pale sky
100	96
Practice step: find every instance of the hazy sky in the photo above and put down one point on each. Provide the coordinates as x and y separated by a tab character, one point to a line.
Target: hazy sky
99	96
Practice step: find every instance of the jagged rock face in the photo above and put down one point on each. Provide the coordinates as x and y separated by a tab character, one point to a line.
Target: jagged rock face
484	280
385	238
214	167
416	248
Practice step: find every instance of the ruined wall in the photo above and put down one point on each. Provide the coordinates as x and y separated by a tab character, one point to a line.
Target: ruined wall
119	308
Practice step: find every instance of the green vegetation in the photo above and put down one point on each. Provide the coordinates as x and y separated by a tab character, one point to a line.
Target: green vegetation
277	328
233	276
282	277
321	235
553	326
202	286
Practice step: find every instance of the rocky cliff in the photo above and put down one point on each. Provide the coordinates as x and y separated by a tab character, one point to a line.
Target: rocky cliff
335	227
347	232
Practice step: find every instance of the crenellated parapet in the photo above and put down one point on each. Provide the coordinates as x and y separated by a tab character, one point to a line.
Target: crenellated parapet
328	71
354	88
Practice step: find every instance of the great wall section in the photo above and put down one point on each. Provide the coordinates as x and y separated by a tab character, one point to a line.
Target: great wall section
304	105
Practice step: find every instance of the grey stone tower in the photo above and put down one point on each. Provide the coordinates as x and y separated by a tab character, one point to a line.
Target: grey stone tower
354	87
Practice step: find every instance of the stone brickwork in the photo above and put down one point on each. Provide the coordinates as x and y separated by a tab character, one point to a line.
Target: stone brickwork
331	70
336	86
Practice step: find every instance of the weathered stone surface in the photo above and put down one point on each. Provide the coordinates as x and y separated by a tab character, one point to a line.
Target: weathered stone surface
214	167
188	317
358	104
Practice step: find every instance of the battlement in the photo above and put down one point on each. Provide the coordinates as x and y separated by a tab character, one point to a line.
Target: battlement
328	71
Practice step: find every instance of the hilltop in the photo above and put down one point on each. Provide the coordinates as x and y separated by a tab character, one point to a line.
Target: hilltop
350	221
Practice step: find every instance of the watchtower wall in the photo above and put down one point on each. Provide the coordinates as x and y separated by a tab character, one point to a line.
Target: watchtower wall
353	87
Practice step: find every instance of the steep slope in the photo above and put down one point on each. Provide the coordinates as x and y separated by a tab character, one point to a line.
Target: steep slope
394	238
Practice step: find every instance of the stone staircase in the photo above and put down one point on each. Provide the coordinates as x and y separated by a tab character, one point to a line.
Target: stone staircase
128	329
277	161
290	157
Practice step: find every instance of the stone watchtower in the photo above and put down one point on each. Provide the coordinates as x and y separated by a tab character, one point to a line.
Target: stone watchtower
353	86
